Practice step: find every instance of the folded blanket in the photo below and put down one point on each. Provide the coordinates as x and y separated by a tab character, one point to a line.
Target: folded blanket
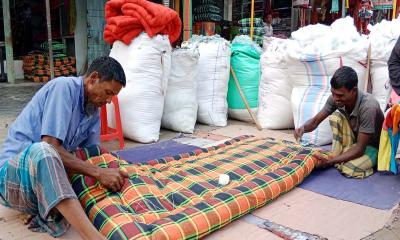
207	17
126	19
207	8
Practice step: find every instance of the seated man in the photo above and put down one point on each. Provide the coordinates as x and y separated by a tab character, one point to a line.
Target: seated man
268	29
61	117
356	126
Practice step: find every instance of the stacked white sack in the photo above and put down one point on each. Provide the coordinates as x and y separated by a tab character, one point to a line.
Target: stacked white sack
180	108
146	62
315	54
383	37
212	79
274	107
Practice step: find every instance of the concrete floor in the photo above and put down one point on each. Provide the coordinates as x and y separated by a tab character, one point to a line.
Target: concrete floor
302	210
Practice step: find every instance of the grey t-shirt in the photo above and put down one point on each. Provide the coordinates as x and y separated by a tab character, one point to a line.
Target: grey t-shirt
367	116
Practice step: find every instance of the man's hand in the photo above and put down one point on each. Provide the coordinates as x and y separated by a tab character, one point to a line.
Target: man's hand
298	133
112	178
322	161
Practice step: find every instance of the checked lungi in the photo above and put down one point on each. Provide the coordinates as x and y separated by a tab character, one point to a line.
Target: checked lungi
34	183
344	139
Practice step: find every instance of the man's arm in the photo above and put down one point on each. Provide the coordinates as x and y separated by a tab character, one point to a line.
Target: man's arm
394	67
311	124
354	152
111	178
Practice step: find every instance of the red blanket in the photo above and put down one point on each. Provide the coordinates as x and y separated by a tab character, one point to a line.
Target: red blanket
126	19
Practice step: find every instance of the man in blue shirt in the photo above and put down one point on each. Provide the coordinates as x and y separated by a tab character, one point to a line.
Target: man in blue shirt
62	117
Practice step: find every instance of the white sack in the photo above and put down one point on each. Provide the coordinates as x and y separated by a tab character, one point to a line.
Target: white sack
180	108
212	79
146	62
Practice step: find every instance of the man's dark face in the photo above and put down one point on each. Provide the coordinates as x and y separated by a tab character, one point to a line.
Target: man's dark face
344	97
268	19
100	93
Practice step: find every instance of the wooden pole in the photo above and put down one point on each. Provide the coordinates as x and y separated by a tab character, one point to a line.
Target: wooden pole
49	40
8	42
245	101
367	73
177	6
187	19
394	14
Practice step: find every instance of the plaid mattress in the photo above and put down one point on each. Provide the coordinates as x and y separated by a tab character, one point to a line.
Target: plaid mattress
179	197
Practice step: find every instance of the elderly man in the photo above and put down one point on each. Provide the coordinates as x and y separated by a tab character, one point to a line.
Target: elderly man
356	121
36	156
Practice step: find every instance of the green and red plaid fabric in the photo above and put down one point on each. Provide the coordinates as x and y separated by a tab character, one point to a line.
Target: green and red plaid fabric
259	31
179	197
246	22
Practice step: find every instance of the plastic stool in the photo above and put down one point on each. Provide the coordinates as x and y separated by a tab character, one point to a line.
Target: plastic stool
107	133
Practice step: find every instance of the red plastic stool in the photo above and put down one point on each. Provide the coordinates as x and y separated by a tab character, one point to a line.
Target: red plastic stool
107	133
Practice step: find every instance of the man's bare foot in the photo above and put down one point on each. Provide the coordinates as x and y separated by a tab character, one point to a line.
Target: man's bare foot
26	218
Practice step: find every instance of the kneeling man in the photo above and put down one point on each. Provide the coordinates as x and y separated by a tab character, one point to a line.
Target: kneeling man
356	121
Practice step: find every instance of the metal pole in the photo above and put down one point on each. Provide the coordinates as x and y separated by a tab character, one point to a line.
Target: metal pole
49	40
343	8
8	41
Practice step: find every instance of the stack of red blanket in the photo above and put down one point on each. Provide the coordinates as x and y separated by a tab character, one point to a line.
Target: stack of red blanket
126	19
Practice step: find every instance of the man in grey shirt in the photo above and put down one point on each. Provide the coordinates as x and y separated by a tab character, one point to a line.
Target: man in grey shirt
356	121
394	67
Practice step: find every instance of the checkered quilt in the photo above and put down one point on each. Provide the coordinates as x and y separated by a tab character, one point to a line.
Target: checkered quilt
179	197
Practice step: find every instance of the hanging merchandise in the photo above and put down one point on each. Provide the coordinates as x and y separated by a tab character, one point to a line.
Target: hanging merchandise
245	61
381	5
365	14
300	3
245	22
302	17
258	30
207	11
335	6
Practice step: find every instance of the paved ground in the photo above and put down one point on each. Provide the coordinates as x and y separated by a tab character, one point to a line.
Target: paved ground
302	210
